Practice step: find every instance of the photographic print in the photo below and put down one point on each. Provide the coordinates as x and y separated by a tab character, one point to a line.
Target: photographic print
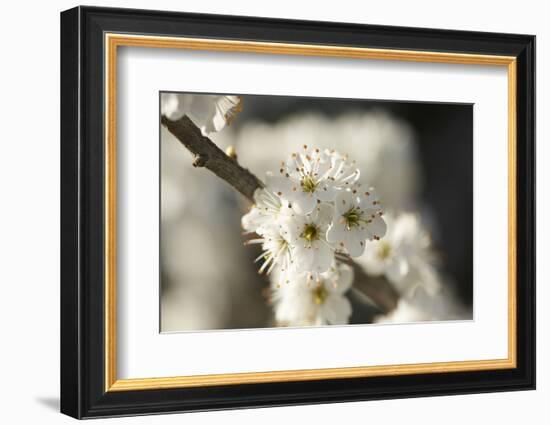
298	211
256	215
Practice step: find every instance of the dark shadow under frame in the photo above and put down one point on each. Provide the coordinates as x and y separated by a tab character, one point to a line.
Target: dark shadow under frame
82	208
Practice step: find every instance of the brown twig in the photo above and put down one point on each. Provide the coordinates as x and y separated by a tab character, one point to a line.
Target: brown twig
208	155
377	289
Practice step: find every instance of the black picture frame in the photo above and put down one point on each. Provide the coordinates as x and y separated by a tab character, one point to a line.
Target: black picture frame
83	392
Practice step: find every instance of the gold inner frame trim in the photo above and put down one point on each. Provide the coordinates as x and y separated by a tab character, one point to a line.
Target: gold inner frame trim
113	41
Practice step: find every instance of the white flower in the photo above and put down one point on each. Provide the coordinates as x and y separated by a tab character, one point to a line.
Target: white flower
344	173
422	307
383	146
307	235
208	112
404	312
357	218
268	210
170	106
276	249
267	218
310	177
314	299
404	256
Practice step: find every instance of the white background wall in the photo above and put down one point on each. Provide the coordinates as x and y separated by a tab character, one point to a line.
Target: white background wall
29	212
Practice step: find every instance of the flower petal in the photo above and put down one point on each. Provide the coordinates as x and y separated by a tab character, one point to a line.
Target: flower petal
376	228
344	279
324	256
302	203
343	202
303	258
368	199
280	185
326	193
397	269
372	261
337	233
355	245
336	310
429	277
324	214
171	106
252	220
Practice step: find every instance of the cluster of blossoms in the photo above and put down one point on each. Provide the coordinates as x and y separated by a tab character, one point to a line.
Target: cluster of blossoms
311	212
405	256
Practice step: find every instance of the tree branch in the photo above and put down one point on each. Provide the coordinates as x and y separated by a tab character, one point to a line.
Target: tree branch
208	155
378	289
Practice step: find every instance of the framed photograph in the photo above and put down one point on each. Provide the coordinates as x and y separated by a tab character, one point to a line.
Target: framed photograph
260	212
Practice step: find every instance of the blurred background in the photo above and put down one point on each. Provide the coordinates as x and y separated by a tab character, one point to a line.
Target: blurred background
419	157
